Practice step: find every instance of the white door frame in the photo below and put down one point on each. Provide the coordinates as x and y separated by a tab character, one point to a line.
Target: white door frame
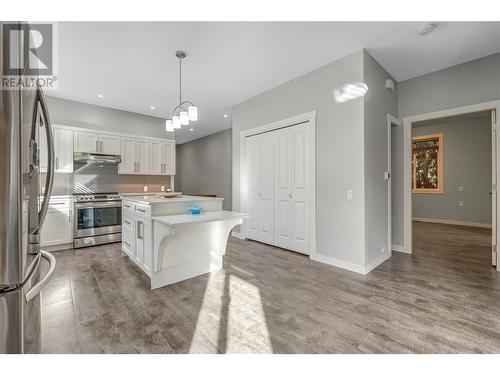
391	121
309	117
407	122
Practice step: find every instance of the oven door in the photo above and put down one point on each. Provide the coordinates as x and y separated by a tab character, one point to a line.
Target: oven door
96	218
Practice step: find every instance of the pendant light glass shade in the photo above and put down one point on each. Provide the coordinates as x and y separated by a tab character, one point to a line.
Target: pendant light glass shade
169	126
193	113
176	121
184	117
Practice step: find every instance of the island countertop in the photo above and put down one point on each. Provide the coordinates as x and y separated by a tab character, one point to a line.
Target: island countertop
157	199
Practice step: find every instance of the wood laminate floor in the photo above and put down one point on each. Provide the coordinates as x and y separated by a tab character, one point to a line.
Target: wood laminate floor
445	298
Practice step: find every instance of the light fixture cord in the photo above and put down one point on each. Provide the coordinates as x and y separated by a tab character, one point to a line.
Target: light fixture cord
180	80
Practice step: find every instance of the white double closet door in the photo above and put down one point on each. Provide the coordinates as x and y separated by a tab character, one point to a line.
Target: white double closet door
277	204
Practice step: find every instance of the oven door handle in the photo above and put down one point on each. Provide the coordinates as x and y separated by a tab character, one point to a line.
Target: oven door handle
98	205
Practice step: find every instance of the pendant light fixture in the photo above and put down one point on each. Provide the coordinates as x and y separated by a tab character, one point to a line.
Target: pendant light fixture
186	111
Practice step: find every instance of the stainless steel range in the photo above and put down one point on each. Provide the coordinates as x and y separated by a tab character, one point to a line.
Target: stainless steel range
97	219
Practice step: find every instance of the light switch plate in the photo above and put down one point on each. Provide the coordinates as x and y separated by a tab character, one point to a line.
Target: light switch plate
145	188
460	187
350	195
460	203
162	188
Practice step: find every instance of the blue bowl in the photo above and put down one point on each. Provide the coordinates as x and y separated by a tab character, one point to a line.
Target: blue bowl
194	210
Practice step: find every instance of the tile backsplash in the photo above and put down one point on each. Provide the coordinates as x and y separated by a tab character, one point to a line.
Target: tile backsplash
104	178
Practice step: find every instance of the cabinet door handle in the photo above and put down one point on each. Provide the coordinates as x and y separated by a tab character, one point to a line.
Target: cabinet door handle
96	145
57	162
70	216
127	222
140	230
126	205
101	145
141	210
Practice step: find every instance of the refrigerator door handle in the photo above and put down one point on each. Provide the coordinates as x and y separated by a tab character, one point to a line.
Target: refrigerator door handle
50	158
35	289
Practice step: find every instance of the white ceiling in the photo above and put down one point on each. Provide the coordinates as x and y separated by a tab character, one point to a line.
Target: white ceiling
134	66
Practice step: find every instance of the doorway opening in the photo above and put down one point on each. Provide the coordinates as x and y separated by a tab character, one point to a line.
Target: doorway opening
451	167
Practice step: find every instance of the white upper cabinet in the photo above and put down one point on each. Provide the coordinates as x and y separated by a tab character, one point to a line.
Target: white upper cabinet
146	156
97	143
142	155
86	142
169	158
156	157
109	144
63	151
135	154
128	164
162	158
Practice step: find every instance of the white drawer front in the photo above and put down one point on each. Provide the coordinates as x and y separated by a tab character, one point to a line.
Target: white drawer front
143	210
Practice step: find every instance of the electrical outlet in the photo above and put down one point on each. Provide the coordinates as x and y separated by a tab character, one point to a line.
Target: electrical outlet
145	188
162	188
350	195
460	203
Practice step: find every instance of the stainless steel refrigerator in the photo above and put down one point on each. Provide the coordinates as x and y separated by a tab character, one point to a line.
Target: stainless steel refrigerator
24	118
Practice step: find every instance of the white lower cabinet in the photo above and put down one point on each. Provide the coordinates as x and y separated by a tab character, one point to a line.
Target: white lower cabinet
137	237
277	182
58	225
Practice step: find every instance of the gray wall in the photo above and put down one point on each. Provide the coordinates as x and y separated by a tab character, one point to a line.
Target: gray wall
204	166
470	83
339	150
378	102
71	113
467	162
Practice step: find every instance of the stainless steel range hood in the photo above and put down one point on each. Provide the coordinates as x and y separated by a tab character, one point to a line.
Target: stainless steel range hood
89	158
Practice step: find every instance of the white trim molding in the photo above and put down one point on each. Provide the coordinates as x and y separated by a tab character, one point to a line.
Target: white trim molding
407	167
358	268
399	249
453	222
309	117
376	262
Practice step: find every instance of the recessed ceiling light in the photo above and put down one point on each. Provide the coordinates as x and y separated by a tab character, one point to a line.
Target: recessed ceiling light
191	130
225	116
152	107
100	96
426	29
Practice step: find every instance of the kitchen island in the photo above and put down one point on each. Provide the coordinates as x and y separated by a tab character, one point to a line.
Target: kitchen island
168	243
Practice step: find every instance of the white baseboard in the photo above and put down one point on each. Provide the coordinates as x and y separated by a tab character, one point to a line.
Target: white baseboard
338	263
59	247
238	235
377	262
351	266
453	222
399	249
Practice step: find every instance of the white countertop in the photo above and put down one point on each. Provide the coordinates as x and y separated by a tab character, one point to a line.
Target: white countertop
204	217
155	199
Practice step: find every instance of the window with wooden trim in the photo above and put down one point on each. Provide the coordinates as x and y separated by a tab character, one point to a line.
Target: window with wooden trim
427	163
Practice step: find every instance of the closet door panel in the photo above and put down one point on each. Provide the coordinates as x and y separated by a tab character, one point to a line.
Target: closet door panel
266	183
283	189
253	200
300	211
